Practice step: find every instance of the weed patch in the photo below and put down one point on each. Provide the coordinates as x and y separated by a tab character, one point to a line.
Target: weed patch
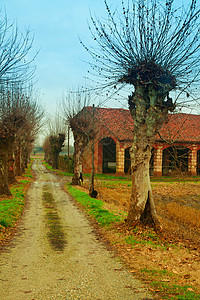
11	207
55	234
28	172
168	260
131	240
57	171
94	207
157	273
172	291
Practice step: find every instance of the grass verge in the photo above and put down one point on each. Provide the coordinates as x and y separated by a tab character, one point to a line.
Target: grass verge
162	283
55	234
94	207
11	207
167	266
58	172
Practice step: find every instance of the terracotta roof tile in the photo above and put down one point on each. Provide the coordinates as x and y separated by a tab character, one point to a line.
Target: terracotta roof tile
182	127
179	128
116	120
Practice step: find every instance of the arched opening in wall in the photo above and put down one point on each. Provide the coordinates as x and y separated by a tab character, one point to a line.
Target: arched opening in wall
175	160
198	162
109	155
127	161
151	163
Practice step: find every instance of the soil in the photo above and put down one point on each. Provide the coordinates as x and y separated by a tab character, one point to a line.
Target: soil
177	258
56	254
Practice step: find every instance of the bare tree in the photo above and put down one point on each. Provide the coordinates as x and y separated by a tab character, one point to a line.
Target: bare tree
11	120
47	150
15	66
77	119
33	114
154	48
19	119
55	139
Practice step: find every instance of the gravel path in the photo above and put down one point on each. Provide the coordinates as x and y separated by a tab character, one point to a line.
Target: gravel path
33	266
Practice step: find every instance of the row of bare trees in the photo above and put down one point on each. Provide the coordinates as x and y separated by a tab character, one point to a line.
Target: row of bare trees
153	49
77	117
20	121
85	131
54	141
20	113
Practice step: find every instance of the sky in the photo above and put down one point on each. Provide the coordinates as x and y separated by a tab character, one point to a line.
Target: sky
56	26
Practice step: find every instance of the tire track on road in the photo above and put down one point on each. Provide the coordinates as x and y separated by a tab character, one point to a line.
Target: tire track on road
30	268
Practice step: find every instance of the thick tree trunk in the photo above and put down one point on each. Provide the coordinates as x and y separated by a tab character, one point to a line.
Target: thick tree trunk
79	145
77	164
26	160
4	189
24	155
149	110
55	161
11	174
142	208
17	156
92	192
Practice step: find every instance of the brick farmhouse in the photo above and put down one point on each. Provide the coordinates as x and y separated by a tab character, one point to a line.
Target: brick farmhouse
177	146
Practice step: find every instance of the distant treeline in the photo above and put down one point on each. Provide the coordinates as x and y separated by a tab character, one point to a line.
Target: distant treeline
64	150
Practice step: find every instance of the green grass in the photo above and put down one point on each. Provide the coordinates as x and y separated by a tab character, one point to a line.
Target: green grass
175	179
115	180
56	170
156	273
116	183
163	282
149	239
12	207
94	207
56	233
28	172
173	291
130	240
109	177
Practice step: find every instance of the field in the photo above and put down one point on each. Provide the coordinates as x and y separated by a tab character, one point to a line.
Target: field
177	203
168	260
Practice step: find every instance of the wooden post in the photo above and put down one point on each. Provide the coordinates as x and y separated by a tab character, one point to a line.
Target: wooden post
68	144
92	148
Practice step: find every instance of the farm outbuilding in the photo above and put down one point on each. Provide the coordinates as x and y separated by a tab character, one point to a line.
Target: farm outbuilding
176	148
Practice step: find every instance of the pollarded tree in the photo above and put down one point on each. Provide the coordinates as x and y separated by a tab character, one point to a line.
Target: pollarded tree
47	151
11	119
32	116
80	123
20	118
55	139
152	46
56	145
15	67
6	140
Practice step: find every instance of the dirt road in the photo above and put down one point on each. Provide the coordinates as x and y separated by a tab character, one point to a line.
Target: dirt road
56	254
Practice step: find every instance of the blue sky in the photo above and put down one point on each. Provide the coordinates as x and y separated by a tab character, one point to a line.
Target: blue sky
56	26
